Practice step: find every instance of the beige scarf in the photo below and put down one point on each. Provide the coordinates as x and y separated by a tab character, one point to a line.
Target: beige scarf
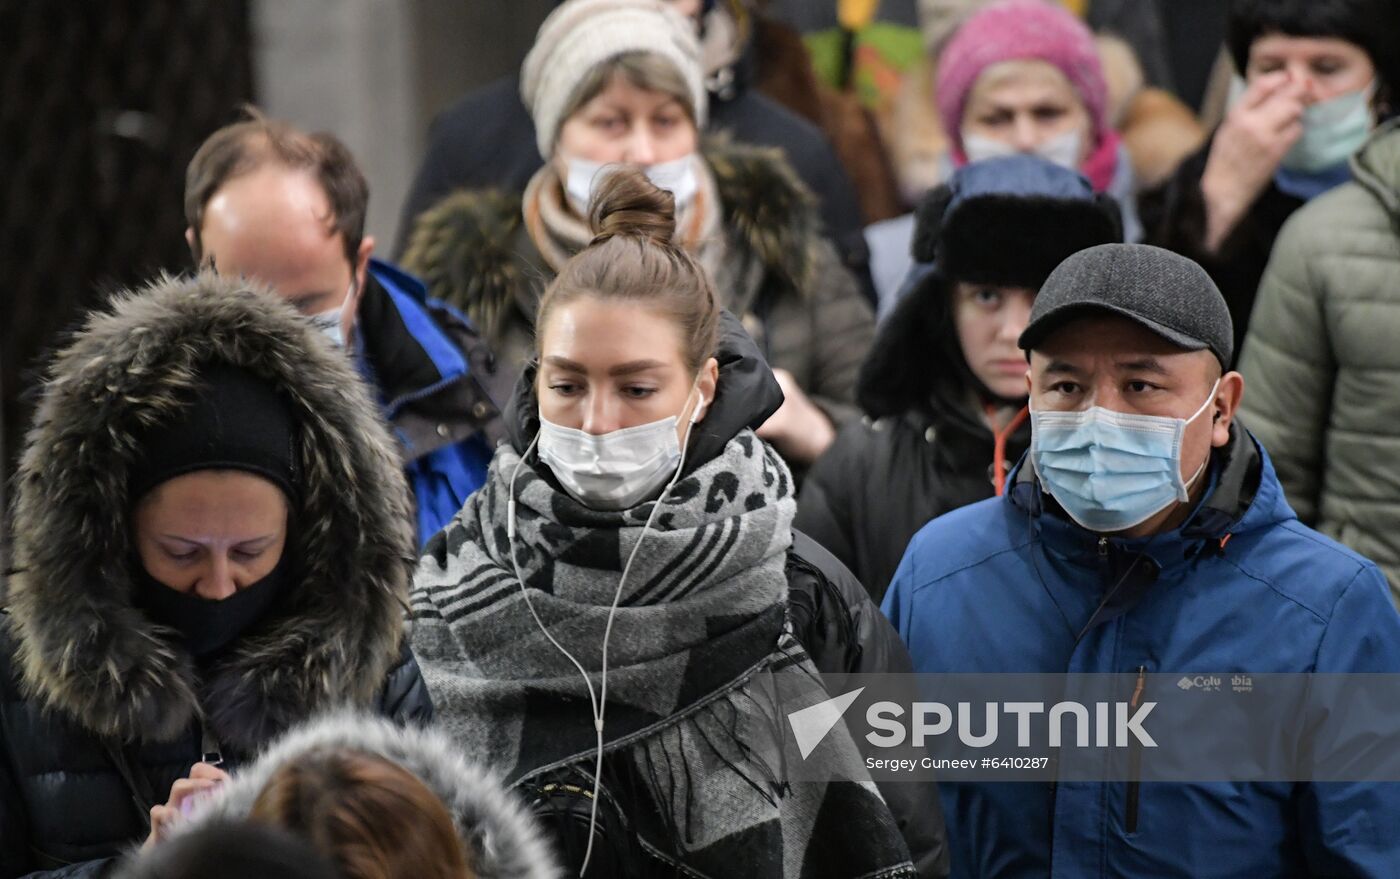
559	232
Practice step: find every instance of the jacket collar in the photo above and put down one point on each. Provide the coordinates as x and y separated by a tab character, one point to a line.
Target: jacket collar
433	373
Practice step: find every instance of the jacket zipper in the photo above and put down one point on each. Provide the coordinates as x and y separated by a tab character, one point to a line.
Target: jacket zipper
1135	757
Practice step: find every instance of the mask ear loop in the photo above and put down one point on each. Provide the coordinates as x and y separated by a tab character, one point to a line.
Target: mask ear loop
597	701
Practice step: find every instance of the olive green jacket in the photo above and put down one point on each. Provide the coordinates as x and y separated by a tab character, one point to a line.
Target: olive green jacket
1322	358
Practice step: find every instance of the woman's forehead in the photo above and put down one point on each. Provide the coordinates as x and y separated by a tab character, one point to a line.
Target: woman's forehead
1022	76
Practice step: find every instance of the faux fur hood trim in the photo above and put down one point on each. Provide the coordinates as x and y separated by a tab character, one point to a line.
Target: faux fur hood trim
467	247
505	840
83	648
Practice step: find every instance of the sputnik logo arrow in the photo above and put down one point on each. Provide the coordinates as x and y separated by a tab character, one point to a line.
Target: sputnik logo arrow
810	725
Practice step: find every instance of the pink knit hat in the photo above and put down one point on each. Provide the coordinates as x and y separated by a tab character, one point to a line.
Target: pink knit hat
1019	30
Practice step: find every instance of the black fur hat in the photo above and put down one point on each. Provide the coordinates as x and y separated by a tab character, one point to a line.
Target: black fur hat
984	228
1004	222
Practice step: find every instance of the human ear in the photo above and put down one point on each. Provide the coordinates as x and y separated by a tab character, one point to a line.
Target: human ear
706	383
1226	403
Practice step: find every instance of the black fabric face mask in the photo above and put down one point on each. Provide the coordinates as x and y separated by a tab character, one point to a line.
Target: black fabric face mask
210	626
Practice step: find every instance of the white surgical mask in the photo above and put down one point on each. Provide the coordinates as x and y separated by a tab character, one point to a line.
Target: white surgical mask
677	177
617	470
1062	149
329	322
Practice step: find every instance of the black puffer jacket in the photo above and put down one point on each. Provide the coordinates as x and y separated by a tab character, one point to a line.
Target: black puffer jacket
841	629
100	709
922	450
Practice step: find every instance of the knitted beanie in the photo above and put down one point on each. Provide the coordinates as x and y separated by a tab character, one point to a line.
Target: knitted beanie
581	34
234	420
1020	30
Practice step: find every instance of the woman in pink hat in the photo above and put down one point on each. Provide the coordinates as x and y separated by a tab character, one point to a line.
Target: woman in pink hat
1018	76
1024	76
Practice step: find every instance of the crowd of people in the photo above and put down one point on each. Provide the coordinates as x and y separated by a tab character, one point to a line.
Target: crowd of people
496	560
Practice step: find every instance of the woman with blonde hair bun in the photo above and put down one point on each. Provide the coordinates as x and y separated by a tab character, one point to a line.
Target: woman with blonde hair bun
614	619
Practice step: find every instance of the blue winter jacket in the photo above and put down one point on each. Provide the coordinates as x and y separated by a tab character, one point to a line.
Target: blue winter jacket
438	386
1241	586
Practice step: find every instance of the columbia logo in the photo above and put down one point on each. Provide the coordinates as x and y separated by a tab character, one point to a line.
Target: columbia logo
1186	683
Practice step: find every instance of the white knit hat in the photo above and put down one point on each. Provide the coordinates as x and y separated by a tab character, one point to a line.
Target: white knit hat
581	34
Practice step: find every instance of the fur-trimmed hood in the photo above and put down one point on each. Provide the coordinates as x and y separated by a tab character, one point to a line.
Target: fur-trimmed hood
505	840
82	648
468	247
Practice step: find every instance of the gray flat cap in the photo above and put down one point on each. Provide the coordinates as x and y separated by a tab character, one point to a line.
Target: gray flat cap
1162	291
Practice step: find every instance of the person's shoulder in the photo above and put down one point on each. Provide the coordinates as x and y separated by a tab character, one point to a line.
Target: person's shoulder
963	540
1301	565
483	103
756	118
1337	228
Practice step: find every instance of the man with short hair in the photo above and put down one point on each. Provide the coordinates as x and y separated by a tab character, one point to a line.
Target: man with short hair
1146	532
287	208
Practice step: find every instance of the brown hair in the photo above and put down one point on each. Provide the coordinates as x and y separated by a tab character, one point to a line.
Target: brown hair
634	259
645	70
246	146
371	817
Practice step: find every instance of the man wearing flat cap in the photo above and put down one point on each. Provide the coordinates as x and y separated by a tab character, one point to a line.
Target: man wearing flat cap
1145	533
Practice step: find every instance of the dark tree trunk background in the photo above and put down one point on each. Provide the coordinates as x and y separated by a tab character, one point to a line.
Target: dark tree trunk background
101	107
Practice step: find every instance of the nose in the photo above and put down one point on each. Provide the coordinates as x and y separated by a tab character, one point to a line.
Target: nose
1025	135
1301	75
600	416
218	581
1017	316
641	146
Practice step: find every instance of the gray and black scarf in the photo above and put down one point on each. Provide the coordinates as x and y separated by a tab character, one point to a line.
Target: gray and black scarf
698	638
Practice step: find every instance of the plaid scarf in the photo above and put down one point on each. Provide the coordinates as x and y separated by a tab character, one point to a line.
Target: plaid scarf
697	639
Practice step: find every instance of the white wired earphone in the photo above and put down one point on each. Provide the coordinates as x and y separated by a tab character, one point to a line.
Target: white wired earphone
598	700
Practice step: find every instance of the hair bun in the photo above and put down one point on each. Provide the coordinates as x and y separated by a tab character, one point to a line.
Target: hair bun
627	204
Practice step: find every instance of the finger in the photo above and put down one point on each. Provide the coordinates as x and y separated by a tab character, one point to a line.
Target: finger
207	771
1263	88
160	822
1289	135
186	787
1276	117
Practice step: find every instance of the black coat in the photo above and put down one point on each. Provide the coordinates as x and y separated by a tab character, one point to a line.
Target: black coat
838	625
921	451
71	801
1174	216
487	139
101	709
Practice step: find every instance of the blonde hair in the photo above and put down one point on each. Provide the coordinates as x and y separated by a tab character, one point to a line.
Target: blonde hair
633	258
644	70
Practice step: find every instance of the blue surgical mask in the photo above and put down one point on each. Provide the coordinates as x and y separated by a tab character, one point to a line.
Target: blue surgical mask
1332	131
1108	470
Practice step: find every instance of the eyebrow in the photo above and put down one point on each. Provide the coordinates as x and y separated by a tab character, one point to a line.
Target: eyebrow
628	368
263	538
1143	364
301	299
1062	367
